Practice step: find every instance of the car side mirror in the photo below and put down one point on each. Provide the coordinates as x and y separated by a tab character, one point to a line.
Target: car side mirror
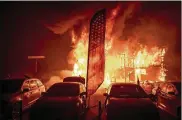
171	93
105	94
26	89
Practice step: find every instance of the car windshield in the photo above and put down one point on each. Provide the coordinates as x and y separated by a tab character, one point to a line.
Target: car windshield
129	91
11	86
63	90
178	87
74	79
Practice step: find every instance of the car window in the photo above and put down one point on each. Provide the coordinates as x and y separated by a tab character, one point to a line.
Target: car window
33	84
63	90
74	79
39	83
127	91
25	84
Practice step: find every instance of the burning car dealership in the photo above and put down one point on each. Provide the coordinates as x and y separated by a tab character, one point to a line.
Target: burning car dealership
113	48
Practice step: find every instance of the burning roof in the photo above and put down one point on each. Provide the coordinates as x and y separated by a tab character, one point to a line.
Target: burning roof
132	40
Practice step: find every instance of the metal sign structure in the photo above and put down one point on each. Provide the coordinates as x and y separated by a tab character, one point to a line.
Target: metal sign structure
96	52
36	57
36	60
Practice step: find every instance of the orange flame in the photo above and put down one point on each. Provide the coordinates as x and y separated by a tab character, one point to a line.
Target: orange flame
115	60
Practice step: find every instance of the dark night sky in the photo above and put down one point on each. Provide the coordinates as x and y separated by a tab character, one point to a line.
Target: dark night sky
23	31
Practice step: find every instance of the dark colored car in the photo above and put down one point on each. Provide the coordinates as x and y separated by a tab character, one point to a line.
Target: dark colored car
129	101
169	98
62	101
18	94
74	79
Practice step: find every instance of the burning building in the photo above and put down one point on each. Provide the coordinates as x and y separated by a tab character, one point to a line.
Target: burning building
122	63
135	46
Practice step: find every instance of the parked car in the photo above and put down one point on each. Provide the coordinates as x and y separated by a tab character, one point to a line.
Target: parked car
18	95
147	86
169	98
62	101
75	79
157	85
129	101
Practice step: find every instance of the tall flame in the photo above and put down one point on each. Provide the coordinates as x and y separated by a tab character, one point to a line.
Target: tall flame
115	59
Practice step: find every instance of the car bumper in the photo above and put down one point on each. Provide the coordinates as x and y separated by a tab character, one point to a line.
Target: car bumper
54	113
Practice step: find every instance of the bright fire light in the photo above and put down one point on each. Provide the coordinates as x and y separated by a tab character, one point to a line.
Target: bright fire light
116	59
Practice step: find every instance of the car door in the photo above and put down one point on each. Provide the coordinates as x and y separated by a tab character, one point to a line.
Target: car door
25	95
34	91
162	97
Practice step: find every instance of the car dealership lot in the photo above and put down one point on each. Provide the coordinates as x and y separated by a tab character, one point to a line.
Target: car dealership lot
92	113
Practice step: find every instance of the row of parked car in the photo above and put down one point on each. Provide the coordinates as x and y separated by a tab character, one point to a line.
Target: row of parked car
18	95
167	95
62	101
67	98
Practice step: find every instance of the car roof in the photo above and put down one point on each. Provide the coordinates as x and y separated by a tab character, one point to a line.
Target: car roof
74	79
61	84
127	84
33	79
68	83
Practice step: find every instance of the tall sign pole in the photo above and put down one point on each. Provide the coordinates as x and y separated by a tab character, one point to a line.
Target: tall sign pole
36	58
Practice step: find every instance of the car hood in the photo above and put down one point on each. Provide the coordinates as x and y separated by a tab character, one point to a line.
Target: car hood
132	103
129	108
55	102
50	107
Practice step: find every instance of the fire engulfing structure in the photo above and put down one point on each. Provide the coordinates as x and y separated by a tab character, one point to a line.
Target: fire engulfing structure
122	65
138	42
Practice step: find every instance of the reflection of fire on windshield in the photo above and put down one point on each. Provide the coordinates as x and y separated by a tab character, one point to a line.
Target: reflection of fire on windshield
126	60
